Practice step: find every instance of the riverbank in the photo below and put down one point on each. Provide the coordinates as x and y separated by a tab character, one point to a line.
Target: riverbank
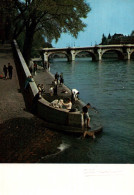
46	78
23	136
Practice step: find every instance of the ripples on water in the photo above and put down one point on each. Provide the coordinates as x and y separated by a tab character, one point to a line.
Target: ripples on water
108	86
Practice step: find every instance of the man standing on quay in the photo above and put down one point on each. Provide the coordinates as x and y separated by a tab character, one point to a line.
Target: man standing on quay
10	70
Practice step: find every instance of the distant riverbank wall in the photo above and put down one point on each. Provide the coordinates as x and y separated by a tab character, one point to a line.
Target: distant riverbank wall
44	110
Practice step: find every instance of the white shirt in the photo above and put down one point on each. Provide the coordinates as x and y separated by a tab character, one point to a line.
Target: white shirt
75	91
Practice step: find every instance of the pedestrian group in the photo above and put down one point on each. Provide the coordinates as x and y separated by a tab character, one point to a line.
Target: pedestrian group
8	70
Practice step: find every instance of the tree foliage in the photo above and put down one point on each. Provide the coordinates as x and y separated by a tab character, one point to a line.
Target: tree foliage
104	39
132	33
51	17
109	36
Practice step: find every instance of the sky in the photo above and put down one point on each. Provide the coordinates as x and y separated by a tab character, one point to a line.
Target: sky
106	16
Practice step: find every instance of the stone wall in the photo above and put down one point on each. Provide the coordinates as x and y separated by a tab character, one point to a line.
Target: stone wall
50	114
23	72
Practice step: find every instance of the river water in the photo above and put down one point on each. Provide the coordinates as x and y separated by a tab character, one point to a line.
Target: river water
109	87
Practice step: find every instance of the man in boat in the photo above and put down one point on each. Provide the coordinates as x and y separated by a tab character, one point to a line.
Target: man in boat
74	95
86	115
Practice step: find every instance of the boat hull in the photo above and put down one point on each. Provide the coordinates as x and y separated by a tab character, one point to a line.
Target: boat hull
71	129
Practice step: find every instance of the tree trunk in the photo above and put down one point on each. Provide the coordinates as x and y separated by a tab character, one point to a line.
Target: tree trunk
27	47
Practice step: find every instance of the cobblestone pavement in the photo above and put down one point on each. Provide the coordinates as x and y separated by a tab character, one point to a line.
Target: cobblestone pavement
45	77
11	100
23	136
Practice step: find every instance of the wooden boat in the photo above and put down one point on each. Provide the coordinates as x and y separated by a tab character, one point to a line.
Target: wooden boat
63	120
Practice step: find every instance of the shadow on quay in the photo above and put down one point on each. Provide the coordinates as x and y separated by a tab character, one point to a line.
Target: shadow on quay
26	140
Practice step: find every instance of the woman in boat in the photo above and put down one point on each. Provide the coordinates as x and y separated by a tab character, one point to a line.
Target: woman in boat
68	105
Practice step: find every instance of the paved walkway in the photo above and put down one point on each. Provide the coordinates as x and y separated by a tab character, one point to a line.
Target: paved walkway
23	136
46	78
11	100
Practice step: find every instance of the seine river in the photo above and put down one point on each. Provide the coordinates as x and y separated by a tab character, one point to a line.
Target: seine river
109	87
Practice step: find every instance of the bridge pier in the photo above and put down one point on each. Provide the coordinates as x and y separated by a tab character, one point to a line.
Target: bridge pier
69	57
100	54
128	53
45	57
73	55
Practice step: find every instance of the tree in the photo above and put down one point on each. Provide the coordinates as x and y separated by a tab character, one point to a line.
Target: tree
104	39
6	10
132	33
109	36
52	17
39	42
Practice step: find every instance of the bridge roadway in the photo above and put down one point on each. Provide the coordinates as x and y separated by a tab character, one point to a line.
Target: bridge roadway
124	51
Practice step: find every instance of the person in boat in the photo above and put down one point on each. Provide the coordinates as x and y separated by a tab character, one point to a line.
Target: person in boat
86	115
57	103
68	105
74	94
51	91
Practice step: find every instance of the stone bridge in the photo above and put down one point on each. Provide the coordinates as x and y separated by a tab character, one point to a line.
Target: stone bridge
96	52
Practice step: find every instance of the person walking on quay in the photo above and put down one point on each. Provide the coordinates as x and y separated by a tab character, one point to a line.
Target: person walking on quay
45	65
55	88
35	68
41	88
61	79
5	71
10	70
57	77
86	115
48	66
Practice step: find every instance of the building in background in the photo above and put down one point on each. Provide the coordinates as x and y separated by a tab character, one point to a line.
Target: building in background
118	39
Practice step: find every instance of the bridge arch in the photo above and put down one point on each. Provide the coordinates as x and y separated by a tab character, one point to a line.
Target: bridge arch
119	52
86	51
52	54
